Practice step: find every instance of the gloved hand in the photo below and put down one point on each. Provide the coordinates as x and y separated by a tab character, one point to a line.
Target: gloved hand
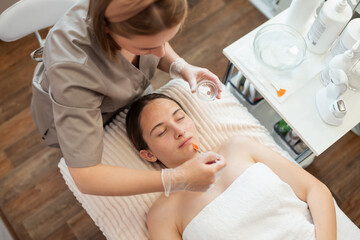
198	174
193	74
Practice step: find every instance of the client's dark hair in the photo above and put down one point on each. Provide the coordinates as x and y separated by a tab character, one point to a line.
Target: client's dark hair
133	127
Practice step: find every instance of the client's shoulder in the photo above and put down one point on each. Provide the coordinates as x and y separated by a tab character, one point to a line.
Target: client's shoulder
162	208
163	202
161	218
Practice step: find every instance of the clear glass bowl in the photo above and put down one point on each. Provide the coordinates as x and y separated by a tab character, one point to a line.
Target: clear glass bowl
279	47
206	90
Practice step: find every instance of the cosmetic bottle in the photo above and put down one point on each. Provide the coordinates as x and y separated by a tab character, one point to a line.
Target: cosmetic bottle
356	51
300	13
354	77
292	138
347	39
300	147
333	17
282	127
342	61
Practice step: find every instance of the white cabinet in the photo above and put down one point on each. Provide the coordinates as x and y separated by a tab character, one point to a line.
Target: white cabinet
298	109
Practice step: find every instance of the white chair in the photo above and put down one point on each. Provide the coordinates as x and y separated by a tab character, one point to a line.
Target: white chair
30	16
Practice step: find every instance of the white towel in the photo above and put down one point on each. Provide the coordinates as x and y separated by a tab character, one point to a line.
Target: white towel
257	205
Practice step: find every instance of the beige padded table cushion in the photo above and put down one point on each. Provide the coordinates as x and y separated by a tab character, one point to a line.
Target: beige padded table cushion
125	217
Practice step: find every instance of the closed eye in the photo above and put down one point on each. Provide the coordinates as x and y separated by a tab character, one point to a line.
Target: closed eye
181	118
162	133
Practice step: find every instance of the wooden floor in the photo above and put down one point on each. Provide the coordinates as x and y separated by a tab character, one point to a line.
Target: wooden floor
34	200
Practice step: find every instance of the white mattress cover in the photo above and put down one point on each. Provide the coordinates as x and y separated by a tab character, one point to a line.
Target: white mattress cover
125	217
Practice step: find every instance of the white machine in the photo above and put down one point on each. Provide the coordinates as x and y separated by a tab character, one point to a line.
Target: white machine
330	104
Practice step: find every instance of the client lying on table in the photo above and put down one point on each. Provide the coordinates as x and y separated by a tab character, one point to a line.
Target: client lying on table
259	194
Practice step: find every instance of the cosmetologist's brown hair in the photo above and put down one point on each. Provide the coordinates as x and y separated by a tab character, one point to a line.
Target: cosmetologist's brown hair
155	18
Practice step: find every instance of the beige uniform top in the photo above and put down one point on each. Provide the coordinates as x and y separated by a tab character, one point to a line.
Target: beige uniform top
77	88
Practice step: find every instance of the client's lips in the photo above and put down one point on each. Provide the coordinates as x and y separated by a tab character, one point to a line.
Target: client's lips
187	141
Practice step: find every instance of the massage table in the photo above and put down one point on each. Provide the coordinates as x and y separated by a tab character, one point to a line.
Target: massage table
125	217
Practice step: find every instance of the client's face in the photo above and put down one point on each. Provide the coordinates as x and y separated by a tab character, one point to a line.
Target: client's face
168	131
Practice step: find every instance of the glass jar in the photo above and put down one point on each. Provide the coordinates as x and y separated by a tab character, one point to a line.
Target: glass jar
206	90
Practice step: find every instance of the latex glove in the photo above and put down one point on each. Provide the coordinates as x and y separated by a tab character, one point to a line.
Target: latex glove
193	74
198	174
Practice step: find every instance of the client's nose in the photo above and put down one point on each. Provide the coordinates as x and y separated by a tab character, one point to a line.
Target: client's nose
179	133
